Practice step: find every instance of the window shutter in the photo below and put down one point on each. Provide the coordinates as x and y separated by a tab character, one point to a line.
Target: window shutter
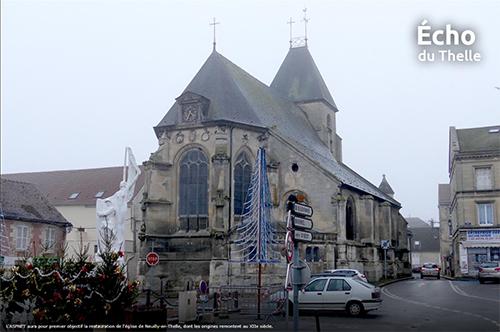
483	178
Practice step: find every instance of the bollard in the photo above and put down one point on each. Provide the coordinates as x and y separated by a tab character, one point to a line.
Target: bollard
216	302
235	300
148	298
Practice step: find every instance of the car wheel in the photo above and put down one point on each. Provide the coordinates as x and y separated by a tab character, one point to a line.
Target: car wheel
481	281
355	308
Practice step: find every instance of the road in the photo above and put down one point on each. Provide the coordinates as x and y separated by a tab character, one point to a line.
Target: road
426	305
423	305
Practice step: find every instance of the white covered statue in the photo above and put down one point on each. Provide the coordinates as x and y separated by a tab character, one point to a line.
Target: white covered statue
112	211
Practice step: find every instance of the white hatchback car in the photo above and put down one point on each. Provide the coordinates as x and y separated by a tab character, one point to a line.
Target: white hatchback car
347	273
338	293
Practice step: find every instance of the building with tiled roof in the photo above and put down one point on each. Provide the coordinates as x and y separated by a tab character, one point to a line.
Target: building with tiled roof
197	180
29	224
73	193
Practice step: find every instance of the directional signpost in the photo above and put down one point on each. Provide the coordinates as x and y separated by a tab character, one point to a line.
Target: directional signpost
298	223
301	236
302	223
385	244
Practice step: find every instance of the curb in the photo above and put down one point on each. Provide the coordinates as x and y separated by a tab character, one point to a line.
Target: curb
394	281
448	278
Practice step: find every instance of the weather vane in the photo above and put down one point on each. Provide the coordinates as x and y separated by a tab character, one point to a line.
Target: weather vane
214	23
290	22
305	19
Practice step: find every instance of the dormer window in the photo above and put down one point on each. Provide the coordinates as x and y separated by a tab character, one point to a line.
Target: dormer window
73	195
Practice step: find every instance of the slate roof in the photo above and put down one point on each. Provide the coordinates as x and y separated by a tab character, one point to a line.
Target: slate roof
238	97
415	222
385	186
57	186
428	237
444	192
482	139
23	201
299	79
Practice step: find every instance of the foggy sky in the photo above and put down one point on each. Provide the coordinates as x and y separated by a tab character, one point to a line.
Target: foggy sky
80	80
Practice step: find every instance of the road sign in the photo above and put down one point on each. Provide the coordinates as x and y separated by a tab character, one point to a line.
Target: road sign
305	273
385	244
203	287
302	209
302	223
152	258
301	236
288	278
289	246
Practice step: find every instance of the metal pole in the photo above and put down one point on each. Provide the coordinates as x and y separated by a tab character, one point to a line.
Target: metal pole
258	291
385	263
296	282
259	284
287	308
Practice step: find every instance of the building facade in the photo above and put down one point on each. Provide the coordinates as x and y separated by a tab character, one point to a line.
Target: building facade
29	224
424	242
196	182
73	193
472	217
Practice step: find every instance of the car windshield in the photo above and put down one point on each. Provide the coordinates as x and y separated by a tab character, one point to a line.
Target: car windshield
430	266
489	264
367	285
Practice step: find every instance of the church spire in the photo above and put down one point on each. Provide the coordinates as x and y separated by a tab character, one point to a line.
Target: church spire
385	187
290	22
305	20
214	23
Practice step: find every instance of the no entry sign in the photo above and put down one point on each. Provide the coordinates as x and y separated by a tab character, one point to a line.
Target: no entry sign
152	258
289	246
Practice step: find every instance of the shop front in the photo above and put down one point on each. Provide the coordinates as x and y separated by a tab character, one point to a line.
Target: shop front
478	246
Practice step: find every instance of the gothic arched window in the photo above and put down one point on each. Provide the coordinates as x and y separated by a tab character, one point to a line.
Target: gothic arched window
193	191
242	177
350	220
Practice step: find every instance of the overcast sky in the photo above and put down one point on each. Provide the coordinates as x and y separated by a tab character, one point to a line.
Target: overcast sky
80	80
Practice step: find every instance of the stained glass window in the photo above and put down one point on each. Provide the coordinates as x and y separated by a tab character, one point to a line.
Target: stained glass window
242	177
193	191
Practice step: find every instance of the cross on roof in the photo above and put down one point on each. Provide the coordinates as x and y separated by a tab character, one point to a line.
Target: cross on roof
305	20
214	23
290	22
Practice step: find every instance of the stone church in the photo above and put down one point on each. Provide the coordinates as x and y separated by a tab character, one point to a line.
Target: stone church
196	182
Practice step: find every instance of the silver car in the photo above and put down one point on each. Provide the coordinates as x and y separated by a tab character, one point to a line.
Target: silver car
430	270
338	293
489	271
350	273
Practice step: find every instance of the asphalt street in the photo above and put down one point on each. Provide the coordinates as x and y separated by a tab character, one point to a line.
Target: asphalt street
415	305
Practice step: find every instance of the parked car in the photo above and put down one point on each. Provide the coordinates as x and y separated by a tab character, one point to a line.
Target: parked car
430	270
489	271
351	273
338	293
